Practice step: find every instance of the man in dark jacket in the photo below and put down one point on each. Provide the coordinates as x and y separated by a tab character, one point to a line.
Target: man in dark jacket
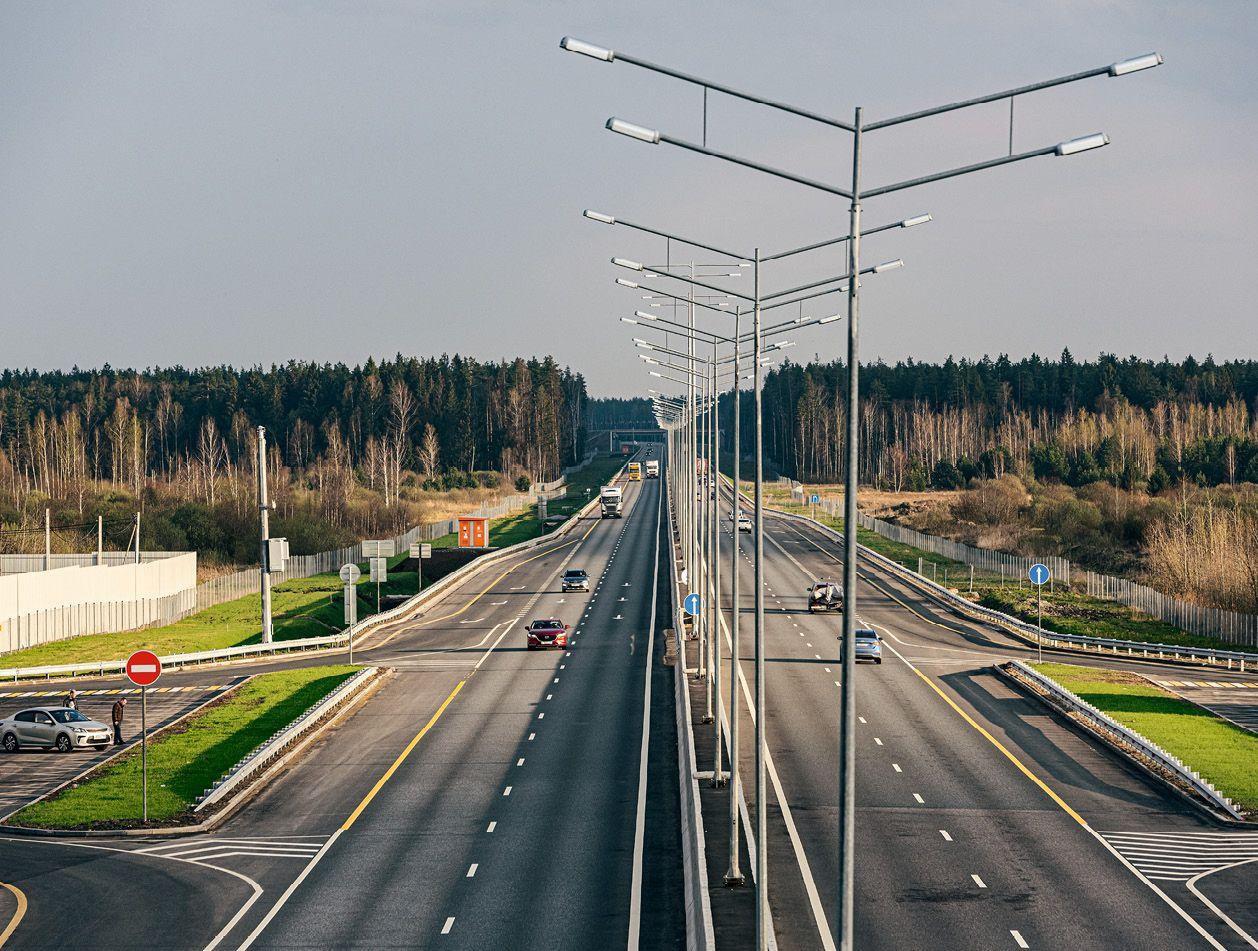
120	709
71	700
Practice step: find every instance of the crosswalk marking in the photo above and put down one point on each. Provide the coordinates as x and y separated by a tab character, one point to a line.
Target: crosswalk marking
1180	856
11	695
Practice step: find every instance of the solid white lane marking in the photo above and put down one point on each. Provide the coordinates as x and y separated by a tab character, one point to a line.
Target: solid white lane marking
978	881
944	833
492	826
918	797
445	929
1017	936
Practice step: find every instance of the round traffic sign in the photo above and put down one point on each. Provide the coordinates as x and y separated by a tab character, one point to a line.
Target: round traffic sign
1039	574
350	573
143	668
693	604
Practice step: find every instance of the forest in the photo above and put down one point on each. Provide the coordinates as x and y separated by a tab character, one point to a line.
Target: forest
350	450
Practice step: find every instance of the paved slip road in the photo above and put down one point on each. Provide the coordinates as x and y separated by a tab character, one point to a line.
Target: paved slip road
983	821
485	796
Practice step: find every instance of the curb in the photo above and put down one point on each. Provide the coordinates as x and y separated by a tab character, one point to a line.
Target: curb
1113	743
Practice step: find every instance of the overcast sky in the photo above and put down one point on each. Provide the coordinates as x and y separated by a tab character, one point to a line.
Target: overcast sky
206	182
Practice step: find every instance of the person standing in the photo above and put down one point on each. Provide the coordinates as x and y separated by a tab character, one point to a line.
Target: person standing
71	700
119	712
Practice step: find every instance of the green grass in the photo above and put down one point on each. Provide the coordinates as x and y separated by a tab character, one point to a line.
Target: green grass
1224	754
303	607
188	759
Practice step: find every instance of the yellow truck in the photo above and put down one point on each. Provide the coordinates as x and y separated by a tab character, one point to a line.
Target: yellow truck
635	472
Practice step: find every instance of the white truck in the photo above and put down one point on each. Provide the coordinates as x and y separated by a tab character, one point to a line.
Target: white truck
610	498
652	468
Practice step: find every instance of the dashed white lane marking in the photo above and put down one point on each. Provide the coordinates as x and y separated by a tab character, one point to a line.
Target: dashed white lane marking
818	656
507	791
520	761
918	797
531	736
555	681
878	741
541	716
492	826
1017	936
978	881
944	833
549	695
896	767
827	670
471	871
445	929
862	719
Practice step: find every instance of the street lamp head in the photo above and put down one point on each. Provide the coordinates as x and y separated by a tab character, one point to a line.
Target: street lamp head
888	266
831	319
1135	64
907	222
624	283
625	262
641	133
628	320
645	316
599	216
639	342
1083	144
573	45
653	373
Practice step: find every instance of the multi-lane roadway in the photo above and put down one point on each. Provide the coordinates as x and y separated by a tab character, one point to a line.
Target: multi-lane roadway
485	796
983	820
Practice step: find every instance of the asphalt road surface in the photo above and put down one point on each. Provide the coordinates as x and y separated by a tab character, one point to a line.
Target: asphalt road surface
983	820
485	796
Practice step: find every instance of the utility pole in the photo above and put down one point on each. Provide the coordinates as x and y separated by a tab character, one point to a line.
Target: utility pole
264	506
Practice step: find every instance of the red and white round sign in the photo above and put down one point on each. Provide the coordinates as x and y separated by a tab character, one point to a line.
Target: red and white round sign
143	668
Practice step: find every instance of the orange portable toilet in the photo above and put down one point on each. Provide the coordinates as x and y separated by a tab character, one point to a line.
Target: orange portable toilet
473	531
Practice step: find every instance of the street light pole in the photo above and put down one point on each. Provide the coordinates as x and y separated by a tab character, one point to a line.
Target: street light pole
847	688
714	631
733	874
762	856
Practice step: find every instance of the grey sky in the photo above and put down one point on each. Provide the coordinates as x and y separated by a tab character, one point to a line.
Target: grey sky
251	182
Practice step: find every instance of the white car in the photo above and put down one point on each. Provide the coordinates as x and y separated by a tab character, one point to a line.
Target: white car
744	523
60	728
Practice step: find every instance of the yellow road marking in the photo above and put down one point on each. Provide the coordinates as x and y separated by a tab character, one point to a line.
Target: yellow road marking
353	816
17	915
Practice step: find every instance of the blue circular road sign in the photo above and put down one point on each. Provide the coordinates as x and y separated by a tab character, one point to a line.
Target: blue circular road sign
693	604
1039	574
815	499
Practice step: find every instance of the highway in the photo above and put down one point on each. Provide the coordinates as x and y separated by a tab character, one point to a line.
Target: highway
983	821
485	796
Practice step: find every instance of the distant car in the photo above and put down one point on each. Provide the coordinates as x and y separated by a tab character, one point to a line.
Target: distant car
744	523
549	632
575	579
59	728
868	645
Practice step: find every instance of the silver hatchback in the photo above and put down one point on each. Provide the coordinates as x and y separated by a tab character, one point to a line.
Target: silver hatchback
60	728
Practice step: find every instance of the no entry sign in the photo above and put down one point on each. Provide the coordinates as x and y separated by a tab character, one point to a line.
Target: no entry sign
143	668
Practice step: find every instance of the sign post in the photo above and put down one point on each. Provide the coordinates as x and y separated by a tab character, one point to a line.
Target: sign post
1040	576
349	576
143	669
812	505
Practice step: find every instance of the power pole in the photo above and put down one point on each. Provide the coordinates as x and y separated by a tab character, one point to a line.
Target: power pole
264	525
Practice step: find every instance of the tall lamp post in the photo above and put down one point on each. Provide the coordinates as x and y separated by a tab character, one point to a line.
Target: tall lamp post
858	127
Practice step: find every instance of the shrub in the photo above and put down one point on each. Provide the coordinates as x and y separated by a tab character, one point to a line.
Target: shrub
523	483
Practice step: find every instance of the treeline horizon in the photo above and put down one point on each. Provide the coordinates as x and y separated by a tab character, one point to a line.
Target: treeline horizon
1132	422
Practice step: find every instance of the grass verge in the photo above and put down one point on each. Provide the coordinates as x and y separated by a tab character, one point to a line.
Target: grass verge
1224	754
189	758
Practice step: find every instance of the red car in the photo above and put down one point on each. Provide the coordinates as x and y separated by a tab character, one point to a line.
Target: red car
547	633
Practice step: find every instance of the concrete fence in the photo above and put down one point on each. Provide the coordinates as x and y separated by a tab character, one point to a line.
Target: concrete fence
19	564
41	606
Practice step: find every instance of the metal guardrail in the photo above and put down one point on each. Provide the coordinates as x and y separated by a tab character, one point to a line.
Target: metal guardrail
1244	660
1145	748
261	757
103	668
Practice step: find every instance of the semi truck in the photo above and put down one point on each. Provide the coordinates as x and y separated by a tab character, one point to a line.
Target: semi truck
610	500
635	472
652	468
